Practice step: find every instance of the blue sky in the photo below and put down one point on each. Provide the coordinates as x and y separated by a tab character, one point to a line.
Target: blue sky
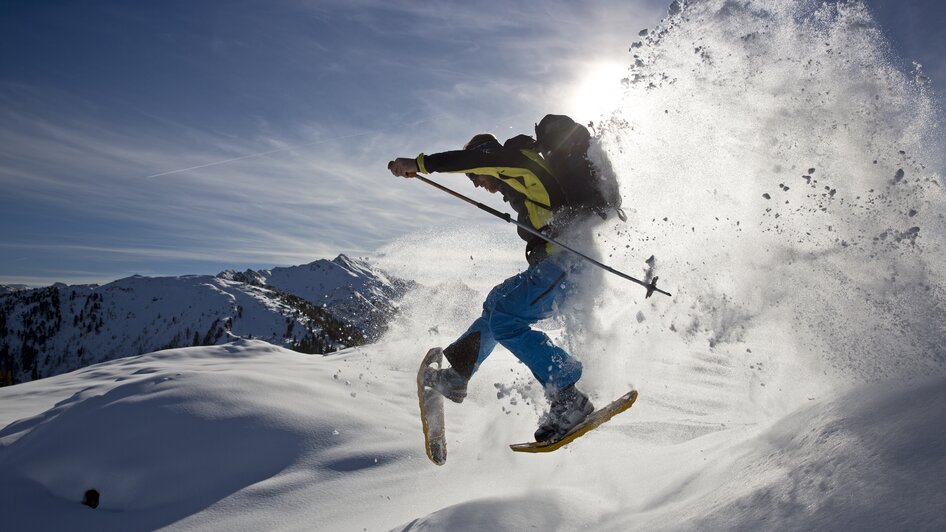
103	102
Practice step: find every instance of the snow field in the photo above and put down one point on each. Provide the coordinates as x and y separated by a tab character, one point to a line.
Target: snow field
249	436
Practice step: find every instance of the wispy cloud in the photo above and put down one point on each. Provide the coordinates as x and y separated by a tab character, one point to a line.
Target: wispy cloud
263	141
293	206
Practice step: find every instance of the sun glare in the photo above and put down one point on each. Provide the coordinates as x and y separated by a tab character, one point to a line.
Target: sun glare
598	91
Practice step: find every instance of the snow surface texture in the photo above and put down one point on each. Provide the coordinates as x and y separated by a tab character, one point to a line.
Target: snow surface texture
796	379
250	436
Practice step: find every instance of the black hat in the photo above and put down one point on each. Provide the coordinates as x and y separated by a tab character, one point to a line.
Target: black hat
485	142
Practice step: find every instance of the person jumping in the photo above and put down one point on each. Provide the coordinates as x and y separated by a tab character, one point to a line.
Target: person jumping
517	171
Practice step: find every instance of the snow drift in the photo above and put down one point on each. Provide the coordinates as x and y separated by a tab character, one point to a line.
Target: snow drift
252	436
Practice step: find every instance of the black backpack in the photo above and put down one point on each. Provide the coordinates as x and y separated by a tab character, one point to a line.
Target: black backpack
564	145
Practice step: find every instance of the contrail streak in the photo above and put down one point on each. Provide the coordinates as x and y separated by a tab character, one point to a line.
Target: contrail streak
270	152
250	156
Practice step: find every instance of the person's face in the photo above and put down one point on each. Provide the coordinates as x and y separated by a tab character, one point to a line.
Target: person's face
486	181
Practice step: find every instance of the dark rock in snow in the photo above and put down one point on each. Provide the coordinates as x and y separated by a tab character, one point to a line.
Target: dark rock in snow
91	499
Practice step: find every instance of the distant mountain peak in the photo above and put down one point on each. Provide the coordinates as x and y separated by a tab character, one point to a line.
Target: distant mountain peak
344	260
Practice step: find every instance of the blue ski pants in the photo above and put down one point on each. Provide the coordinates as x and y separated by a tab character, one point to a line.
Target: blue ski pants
509	310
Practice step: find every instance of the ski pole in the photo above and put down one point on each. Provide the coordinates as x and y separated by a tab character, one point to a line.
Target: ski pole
651	287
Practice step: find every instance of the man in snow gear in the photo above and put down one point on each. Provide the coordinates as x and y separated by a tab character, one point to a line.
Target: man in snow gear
526	182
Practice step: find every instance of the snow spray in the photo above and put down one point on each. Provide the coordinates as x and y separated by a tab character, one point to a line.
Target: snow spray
790	176
787	178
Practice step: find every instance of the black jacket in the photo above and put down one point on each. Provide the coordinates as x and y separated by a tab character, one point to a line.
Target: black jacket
526	184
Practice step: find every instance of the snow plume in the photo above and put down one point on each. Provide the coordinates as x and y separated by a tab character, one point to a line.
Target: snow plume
789	180
785	182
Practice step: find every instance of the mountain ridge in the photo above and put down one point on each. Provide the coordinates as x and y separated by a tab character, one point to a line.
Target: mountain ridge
315	308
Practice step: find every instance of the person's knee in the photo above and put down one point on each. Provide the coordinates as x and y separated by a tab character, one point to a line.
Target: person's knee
505	326
492	300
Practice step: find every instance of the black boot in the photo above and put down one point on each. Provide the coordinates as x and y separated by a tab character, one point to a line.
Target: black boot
447	381
568	407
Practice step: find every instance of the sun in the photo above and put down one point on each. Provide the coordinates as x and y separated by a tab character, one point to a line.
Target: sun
598	91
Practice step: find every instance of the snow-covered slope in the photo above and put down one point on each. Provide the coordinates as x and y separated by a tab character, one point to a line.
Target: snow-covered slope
250	436
48	331
868	459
